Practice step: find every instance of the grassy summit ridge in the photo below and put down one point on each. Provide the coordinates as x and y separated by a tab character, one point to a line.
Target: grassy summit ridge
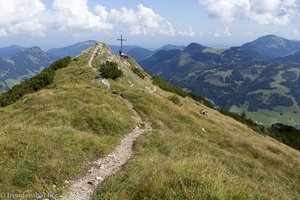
49	136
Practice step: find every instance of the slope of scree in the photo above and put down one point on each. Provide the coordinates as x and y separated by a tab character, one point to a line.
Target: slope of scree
58	134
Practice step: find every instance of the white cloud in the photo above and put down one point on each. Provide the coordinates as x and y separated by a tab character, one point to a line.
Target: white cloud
225	10
3	32
248	33
224	33
21	16
189	33
75	14
278	12
32	16
101	12
142	20
151	22
127	18
123	16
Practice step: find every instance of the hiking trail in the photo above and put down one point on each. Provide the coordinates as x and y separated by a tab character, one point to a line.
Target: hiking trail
84	187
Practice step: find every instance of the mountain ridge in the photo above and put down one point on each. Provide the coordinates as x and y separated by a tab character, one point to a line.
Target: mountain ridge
72	50
23	63
9	51
53	136
273	46
235	78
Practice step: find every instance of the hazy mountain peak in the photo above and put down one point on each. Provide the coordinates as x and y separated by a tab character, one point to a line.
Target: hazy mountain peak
194	48
88	42
273	46
9	51
72	50
170	47
34	48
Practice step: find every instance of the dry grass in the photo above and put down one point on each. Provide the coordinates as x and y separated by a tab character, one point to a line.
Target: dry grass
49	137
189	156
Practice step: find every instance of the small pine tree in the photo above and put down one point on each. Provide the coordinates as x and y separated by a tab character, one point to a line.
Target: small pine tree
110	70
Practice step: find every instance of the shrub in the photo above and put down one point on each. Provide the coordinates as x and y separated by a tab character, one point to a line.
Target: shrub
175	99
138	72
110	70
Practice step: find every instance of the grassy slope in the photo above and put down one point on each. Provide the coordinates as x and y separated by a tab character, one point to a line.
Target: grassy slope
179	160
49	137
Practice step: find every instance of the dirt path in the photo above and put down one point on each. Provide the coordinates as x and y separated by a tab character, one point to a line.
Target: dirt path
84	187
93	56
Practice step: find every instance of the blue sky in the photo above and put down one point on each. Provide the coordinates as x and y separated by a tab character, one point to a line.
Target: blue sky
151	24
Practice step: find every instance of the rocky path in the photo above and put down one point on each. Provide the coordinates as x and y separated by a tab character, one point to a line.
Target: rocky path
84	187
92	57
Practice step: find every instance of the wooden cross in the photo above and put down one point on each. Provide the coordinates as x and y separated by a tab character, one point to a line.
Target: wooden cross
121	42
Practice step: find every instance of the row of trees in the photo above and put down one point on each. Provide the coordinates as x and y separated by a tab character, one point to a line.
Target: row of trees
34	84
286	134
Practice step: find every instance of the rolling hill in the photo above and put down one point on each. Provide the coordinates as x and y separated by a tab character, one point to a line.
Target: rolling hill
53	139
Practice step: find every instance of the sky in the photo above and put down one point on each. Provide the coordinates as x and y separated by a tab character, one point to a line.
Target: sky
147	23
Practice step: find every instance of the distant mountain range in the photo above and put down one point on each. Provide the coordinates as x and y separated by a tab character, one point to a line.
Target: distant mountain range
170	47
260	76
9	51
18	63
136	52
71	50
140	53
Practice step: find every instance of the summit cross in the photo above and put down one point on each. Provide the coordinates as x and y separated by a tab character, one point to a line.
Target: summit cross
121	39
